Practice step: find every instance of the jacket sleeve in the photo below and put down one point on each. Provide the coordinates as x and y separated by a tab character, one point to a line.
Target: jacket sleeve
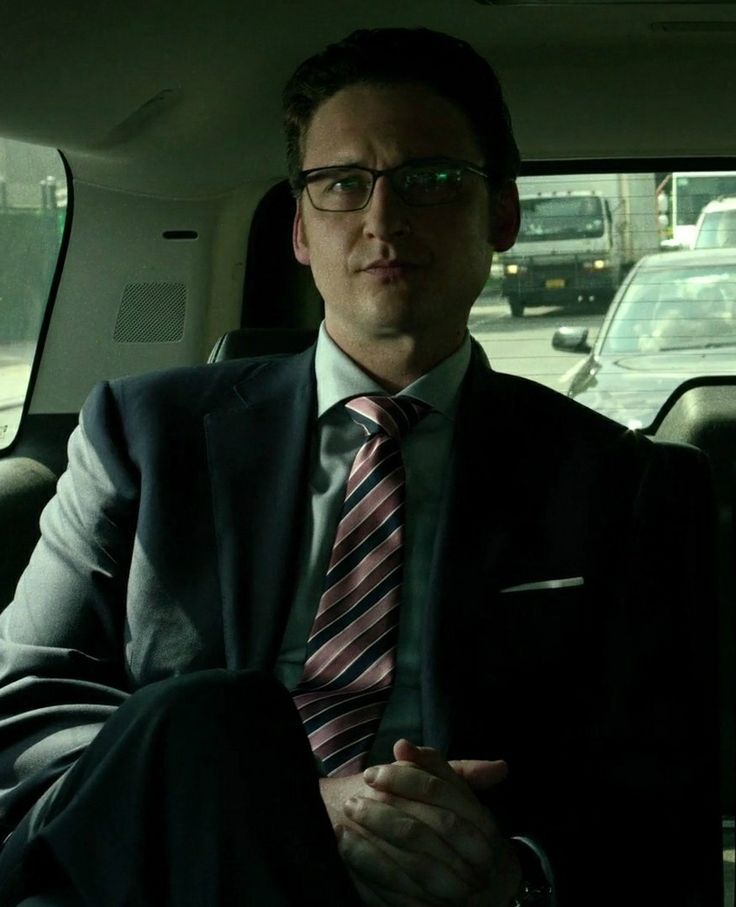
62	639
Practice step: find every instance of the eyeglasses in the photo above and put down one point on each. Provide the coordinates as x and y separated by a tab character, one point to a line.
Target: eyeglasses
437	181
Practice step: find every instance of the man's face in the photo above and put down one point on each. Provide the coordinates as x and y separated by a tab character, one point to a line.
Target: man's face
442	254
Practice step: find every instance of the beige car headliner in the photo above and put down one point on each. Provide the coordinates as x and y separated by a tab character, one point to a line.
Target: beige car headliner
182	98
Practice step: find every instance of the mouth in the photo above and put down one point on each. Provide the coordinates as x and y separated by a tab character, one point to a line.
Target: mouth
390	269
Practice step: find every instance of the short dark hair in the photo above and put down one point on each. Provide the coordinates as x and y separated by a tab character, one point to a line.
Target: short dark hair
390	56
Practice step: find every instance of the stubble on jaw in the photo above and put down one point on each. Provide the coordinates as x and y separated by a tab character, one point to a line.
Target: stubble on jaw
394	356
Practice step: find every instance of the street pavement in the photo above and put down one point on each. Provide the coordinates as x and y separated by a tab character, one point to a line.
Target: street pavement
523	346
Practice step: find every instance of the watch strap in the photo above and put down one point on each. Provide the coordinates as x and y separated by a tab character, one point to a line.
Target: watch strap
535	889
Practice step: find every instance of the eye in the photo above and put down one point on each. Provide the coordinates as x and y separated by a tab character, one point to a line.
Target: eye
347	184
431	183
432	177
341	182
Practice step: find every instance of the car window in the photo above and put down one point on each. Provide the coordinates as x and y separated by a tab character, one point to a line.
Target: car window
681	308
561	217
633	331
33	203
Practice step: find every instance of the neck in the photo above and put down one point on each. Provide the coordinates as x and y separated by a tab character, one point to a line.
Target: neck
396	361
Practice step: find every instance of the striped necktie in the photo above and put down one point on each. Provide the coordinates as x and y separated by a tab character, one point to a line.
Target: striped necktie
351	650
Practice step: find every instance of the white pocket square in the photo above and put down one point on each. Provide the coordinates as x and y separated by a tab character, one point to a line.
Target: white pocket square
547	584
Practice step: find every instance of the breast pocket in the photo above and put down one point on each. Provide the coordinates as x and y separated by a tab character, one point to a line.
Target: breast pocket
529	666
544	634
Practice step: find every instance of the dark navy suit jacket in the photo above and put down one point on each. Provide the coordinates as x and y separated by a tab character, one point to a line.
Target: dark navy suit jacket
171	547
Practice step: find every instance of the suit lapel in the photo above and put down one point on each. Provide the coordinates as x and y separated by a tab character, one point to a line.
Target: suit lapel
258	454
471	537
518	507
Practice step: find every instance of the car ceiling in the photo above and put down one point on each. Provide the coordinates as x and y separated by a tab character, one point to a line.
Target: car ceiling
182	98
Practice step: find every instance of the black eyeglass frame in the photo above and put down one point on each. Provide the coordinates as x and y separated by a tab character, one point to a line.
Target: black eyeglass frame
304	175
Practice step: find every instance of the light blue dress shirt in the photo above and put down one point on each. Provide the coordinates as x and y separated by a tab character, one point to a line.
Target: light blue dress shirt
426	451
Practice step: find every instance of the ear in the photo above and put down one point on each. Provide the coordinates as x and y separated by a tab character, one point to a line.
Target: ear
505	224
299	237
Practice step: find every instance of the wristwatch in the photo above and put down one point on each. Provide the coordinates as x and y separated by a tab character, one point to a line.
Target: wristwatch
535	890
532	896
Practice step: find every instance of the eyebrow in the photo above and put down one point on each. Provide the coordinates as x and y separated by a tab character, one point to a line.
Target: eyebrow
411	159
346	163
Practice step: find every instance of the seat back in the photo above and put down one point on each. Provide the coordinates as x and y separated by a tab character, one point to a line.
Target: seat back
262	342
26	486
702	412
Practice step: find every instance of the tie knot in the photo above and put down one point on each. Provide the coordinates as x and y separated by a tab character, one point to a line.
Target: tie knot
393	416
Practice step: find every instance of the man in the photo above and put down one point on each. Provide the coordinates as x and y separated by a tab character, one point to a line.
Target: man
148	755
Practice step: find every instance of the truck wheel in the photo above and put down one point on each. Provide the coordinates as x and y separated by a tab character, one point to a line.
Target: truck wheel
517	306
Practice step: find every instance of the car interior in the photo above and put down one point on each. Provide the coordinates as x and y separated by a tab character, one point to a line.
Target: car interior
145	220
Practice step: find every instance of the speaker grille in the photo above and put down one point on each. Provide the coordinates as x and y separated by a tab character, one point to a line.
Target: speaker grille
151	313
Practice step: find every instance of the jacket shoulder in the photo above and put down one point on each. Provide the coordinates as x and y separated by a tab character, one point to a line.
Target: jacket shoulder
537	405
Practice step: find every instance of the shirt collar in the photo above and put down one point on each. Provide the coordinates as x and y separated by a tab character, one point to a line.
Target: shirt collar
339	378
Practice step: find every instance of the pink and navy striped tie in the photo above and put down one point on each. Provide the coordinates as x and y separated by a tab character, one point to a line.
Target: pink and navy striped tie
351	650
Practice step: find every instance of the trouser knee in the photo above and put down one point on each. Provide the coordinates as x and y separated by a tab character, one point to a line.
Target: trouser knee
203	701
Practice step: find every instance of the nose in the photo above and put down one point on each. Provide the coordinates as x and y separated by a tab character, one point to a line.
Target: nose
386	215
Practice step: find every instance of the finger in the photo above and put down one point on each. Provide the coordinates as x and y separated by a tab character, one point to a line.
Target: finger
413	783
434	864
480	774
368	897
374	863
425	756
472	846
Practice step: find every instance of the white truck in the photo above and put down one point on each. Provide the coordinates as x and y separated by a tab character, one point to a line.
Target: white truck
689	193
580	234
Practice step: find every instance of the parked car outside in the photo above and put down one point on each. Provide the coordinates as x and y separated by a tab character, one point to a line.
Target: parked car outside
673	318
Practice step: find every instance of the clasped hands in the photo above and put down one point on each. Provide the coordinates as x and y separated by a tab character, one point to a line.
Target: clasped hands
413	833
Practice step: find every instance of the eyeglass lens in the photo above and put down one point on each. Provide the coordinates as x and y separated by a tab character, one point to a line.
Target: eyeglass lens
348	188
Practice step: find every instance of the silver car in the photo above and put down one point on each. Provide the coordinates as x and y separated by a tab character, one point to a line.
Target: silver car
673	318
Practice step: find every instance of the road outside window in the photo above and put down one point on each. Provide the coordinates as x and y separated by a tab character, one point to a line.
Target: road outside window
603	296
33	194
